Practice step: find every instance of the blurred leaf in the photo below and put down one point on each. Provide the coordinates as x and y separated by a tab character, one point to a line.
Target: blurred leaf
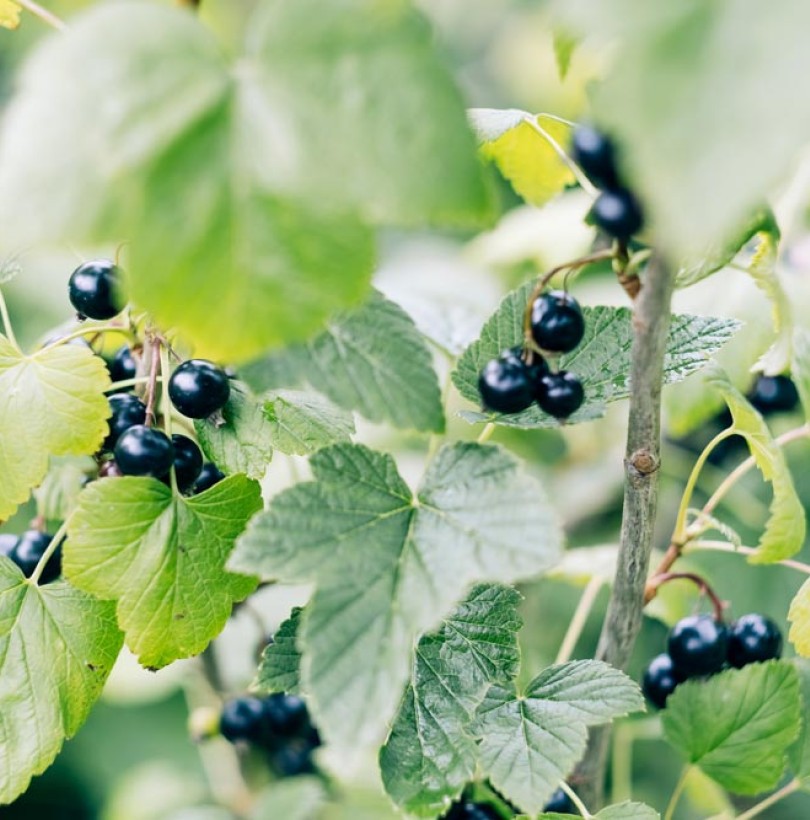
785	529
388	566
799	617
564	46
799	752
302	423
580	564
737	725
56	495
800	367
280	667
57	646
299	798
10	267
9	14
161	557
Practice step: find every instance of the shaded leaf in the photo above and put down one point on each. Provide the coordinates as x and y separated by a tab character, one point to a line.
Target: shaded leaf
280	667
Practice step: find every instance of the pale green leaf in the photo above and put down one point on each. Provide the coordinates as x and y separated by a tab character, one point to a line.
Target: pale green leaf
530	741
799	617
737	725
303	422
580	564
627	811
430	754
161	558
57	646
564	47
602	360
280	667
56	495
52	403
388	566
799	752
800	367
785	529
299	798
10	13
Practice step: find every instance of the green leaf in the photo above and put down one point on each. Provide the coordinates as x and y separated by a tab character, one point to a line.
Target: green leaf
737	725
56	495
799	752
799	617
299	798
388	566
371	359
530	741
800	367
602	360
522	146
785	529
430	754
51	404
161	558
302	423
280	667
564	47
57	646
620	811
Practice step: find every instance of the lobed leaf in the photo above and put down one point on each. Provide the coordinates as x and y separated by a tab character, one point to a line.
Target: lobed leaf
280	667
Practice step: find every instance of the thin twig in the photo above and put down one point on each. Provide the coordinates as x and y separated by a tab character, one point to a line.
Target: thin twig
57	539
724	546
576	800
665	577
579	619
151	385
771	799
46	16
7	321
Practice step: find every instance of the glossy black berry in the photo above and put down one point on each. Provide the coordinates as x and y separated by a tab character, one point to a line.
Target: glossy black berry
560	394
698	645
28	551
774	394
753	638
560	803
557	322
144	451
506	384
468	810
199	388
285	715
188	461
596	155
618	214
292	759
242	719
127	411
123	366
660	679
209	475
8	541
96	290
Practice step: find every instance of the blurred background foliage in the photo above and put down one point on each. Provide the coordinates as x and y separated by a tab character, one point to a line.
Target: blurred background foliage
134	759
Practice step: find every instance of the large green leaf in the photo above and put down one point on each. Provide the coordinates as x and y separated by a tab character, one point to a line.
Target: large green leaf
602	360
280	667
696	90
303	422
430	753
161	558
51	404
57	646
738	725
531	740
244	183
785	529
388	565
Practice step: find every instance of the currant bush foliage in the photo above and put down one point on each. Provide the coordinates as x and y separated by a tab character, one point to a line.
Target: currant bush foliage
280	667
621	811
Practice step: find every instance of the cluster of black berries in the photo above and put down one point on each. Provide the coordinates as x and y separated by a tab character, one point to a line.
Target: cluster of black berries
27	549
278	724
518	377
616	211
464	809
699	646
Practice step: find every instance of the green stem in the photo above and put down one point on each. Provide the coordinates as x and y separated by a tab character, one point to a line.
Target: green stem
725	546
676	794
89	330
165	370
771	800
46	16
584	182
621	770
57	539
579	619
7	321
575	799
129	383
486	433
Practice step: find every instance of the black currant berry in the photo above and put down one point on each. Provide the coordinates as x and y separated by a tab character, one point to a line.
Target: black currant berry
560	394
505	384
199	388
698	645
285	715
557	322
123	365
595	154
753	638
144	451
188	461
660	679
109	469
8	541
242	719
292	759
472	811
774	394
96	290
209	475
28	551
618	214
127	411
560	803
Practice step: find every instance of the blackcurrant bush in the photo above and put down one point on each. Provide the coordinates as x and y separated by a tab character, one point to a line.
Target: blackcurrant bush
242	719
753	638
144	451
618	214
188	461
595	154
698	645
774	394
560	394
28	551
505	384
199	388
8	541
557	322
127	411
123	366
285	715
660	679
96	290
209	475
560	803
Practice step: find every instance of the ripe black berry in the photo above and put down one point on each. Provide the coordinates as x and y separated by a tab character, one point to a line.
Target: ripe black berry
618	214
188	461
557	322
595	154
96	290
698	645
8	541
472	811
209	475
28	551
292	759
242	719
774	394
505	384
199	388
127	411
285	715
560	803
123	365
144	451
753	638
560	394
660	679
